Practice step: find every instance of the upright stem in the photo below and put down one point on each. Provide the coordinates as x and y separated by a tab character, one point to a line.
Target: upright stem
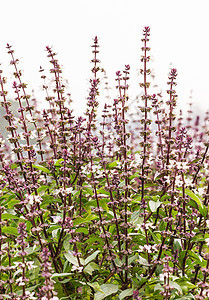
145	144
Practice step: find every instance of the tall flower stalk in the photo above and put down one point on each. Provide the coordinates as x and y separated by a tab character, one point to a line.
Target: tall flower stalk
123	98
171	104
29	107
21	241
145	144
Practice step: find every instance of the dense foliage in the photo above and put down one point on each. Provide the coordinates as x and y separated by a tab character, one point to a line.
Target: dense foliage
116	210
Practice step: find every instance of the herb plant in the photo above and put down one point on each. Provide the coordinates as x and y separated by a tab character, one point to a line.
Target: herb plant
102	207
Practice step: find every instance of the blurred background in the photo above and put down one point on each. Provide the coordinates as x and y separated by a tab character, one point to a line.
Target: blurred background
179	38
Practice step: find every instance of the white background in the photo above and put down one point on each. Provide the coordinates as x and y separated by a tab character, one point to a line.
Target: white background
179	35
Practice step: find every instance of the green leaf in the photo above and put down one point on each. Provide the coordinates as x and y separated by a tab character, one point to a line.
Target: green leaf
118	262
192	203
82	230
195	256
41	168
162	226
14	166
154	205
10	230
80	220
47	199
95	286
203	210
194	197
181	256
91	257
159	175
92	240
89	269
55	233
142	261
103	204
89	191
112	165
155	237
32	288
122	183
103	191
94	266
107	290
194	161
12	203
6	216
66	243
176	286
185	298
136	199
58	162
132	259
126	293
53	227
185	284
90	203
32	250
59	289
55	275
8	197
158	287
43	188
177	244
72	259
136	234
135	218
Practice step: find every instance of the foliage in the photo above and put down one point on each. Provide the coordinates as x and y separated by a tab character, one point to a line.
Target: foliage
102	211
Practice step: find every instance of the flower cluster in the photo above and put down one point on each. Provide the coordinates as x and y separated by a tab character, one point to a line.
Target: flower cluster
46	292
